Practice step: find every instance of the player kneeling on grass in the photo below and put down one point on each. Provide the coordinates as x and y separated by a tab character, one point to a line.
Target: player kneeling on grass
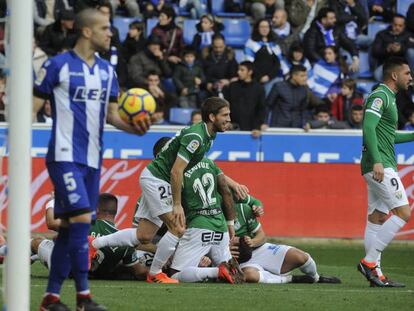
110	263
207	203
264	262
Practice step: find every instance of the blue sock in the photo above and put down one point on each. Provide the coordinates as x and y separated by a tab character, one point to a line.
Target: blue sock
60	262
79	254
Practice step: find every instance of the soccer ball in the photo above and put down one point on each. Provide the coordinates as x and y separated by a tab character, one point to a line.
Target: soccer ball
135	105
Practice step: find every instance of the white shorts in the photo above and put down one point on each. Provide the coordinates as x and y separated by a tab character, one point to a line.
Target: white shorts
156	198
386	195
268	257
196	243
45	252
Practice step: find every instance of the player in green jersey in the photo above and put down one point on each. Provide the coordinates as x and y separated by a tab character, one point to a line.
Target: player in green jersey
270	263
208	204
110	263
161	184
378	165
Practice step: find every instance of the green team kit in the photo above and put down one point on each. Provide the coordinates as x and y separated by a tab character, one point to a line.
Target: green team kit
378	146
246	222
110	258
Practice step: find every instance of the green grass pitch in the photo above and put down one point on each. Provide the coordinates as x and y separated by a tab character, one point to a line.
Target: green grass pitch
333	258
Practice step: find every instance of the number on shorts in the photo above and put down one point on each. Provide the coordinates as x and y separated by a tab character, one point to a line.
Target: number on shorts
207	180
211	237
394	182
69	181
165	192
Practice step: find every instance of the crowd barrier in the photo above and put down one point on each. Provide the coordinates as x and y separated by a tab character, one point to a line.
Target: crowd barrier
310	183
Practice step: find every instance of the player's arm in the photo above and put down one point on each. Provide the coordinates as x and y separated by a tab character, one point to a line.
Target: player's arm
150	247
240	191
404	137
176	181
228	206
37	105
255	204
51	222
113	118
259	238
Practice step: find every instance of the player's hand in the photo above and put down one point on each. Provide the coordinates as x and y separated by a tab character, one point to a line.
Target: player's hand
142	126
378	172
232	232
205	262
178	213
258	211
234	251
240	191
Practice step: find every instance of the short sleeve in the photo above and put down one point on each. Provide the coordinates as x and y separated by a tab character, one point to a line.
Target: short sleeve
114	91
189	144
376	104
252	223
47	79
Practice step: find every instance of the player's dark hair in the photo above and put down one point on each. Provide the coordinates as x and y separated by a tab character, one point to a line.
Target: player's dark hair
248	65
391	64
160	143
297	68
212	105
107	204
324	13
85	18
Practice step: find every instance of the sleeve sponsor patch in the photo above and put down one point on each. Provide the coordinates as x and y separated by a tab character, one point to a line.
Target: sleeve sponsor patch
193	146
40	76
377	104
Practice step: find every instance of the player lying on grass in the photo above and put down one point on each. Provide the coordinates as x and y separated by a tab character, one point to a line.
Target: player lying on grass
110	263
264	262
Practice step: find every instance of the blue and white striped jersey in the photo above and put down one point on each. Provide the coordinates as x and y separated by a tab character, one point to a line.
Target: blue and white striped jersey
79	96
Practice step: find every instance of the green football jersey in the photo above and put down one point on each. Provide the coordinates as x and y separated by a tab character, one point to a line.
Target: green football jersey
191	144
200	198
246	222
378	147
108	258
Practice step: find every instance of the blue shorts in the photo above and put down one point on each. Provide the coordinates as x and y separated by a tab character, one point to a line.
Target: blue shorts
76	188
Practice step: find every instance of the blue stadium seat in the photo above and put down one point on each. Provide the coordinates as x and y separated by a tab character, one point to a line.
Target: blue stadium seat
217	8
189	30
365	86
403	5
180	116
375	27
151	23
236	32
184	13
122	24
364	70
239	55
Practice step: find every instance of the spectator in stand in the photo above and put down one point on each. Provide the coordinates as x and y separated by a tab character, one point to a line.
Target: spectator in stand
357	116
60	35
405	104
220	65
3	97
295	56
352	18
260	8
39	57
289	100
188	78
410	18
265	53
114	55
206	29
324	32
322	120
327	74
43	14
45	114
149	11
171	35
346	100
382	8
131	6
135	41
196	117
285	34
301	13
194	7
409	126
247	101
150	59
393	41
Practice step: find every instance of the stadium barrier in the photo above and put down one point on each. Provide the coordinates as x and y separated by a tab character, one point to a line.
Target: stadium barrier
303	197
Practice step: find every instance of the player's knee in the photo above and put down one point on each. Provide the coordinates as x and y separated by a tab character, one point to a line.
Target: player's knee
251	275
145	237
35	242
403	212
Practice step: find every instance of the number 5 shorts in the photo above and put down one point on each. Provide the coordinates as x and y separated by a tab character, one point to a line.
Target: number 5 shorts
156	198
386	195
196	243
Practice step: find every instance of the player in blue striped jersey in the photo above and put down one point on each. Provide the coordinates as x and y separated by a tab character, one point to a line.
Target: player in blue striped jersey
83	91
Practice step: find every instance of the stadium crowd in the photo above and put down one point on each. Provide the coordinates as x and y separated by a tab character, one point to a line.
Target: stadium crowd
290	59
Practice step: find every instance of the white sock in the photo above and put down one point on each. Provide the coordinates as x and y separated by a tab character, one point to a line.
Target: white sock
309	268
270	278
3	250
371	231
44	252
34	258
195	274
165	248
384	237
125	237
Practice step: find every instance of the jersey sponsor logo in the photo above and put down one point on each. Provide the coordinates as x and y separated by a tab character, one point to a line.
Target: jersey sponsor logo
377	104
193	145
273	248
237	225
82	94
399	194
211	237
209	211
74	198
40	76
